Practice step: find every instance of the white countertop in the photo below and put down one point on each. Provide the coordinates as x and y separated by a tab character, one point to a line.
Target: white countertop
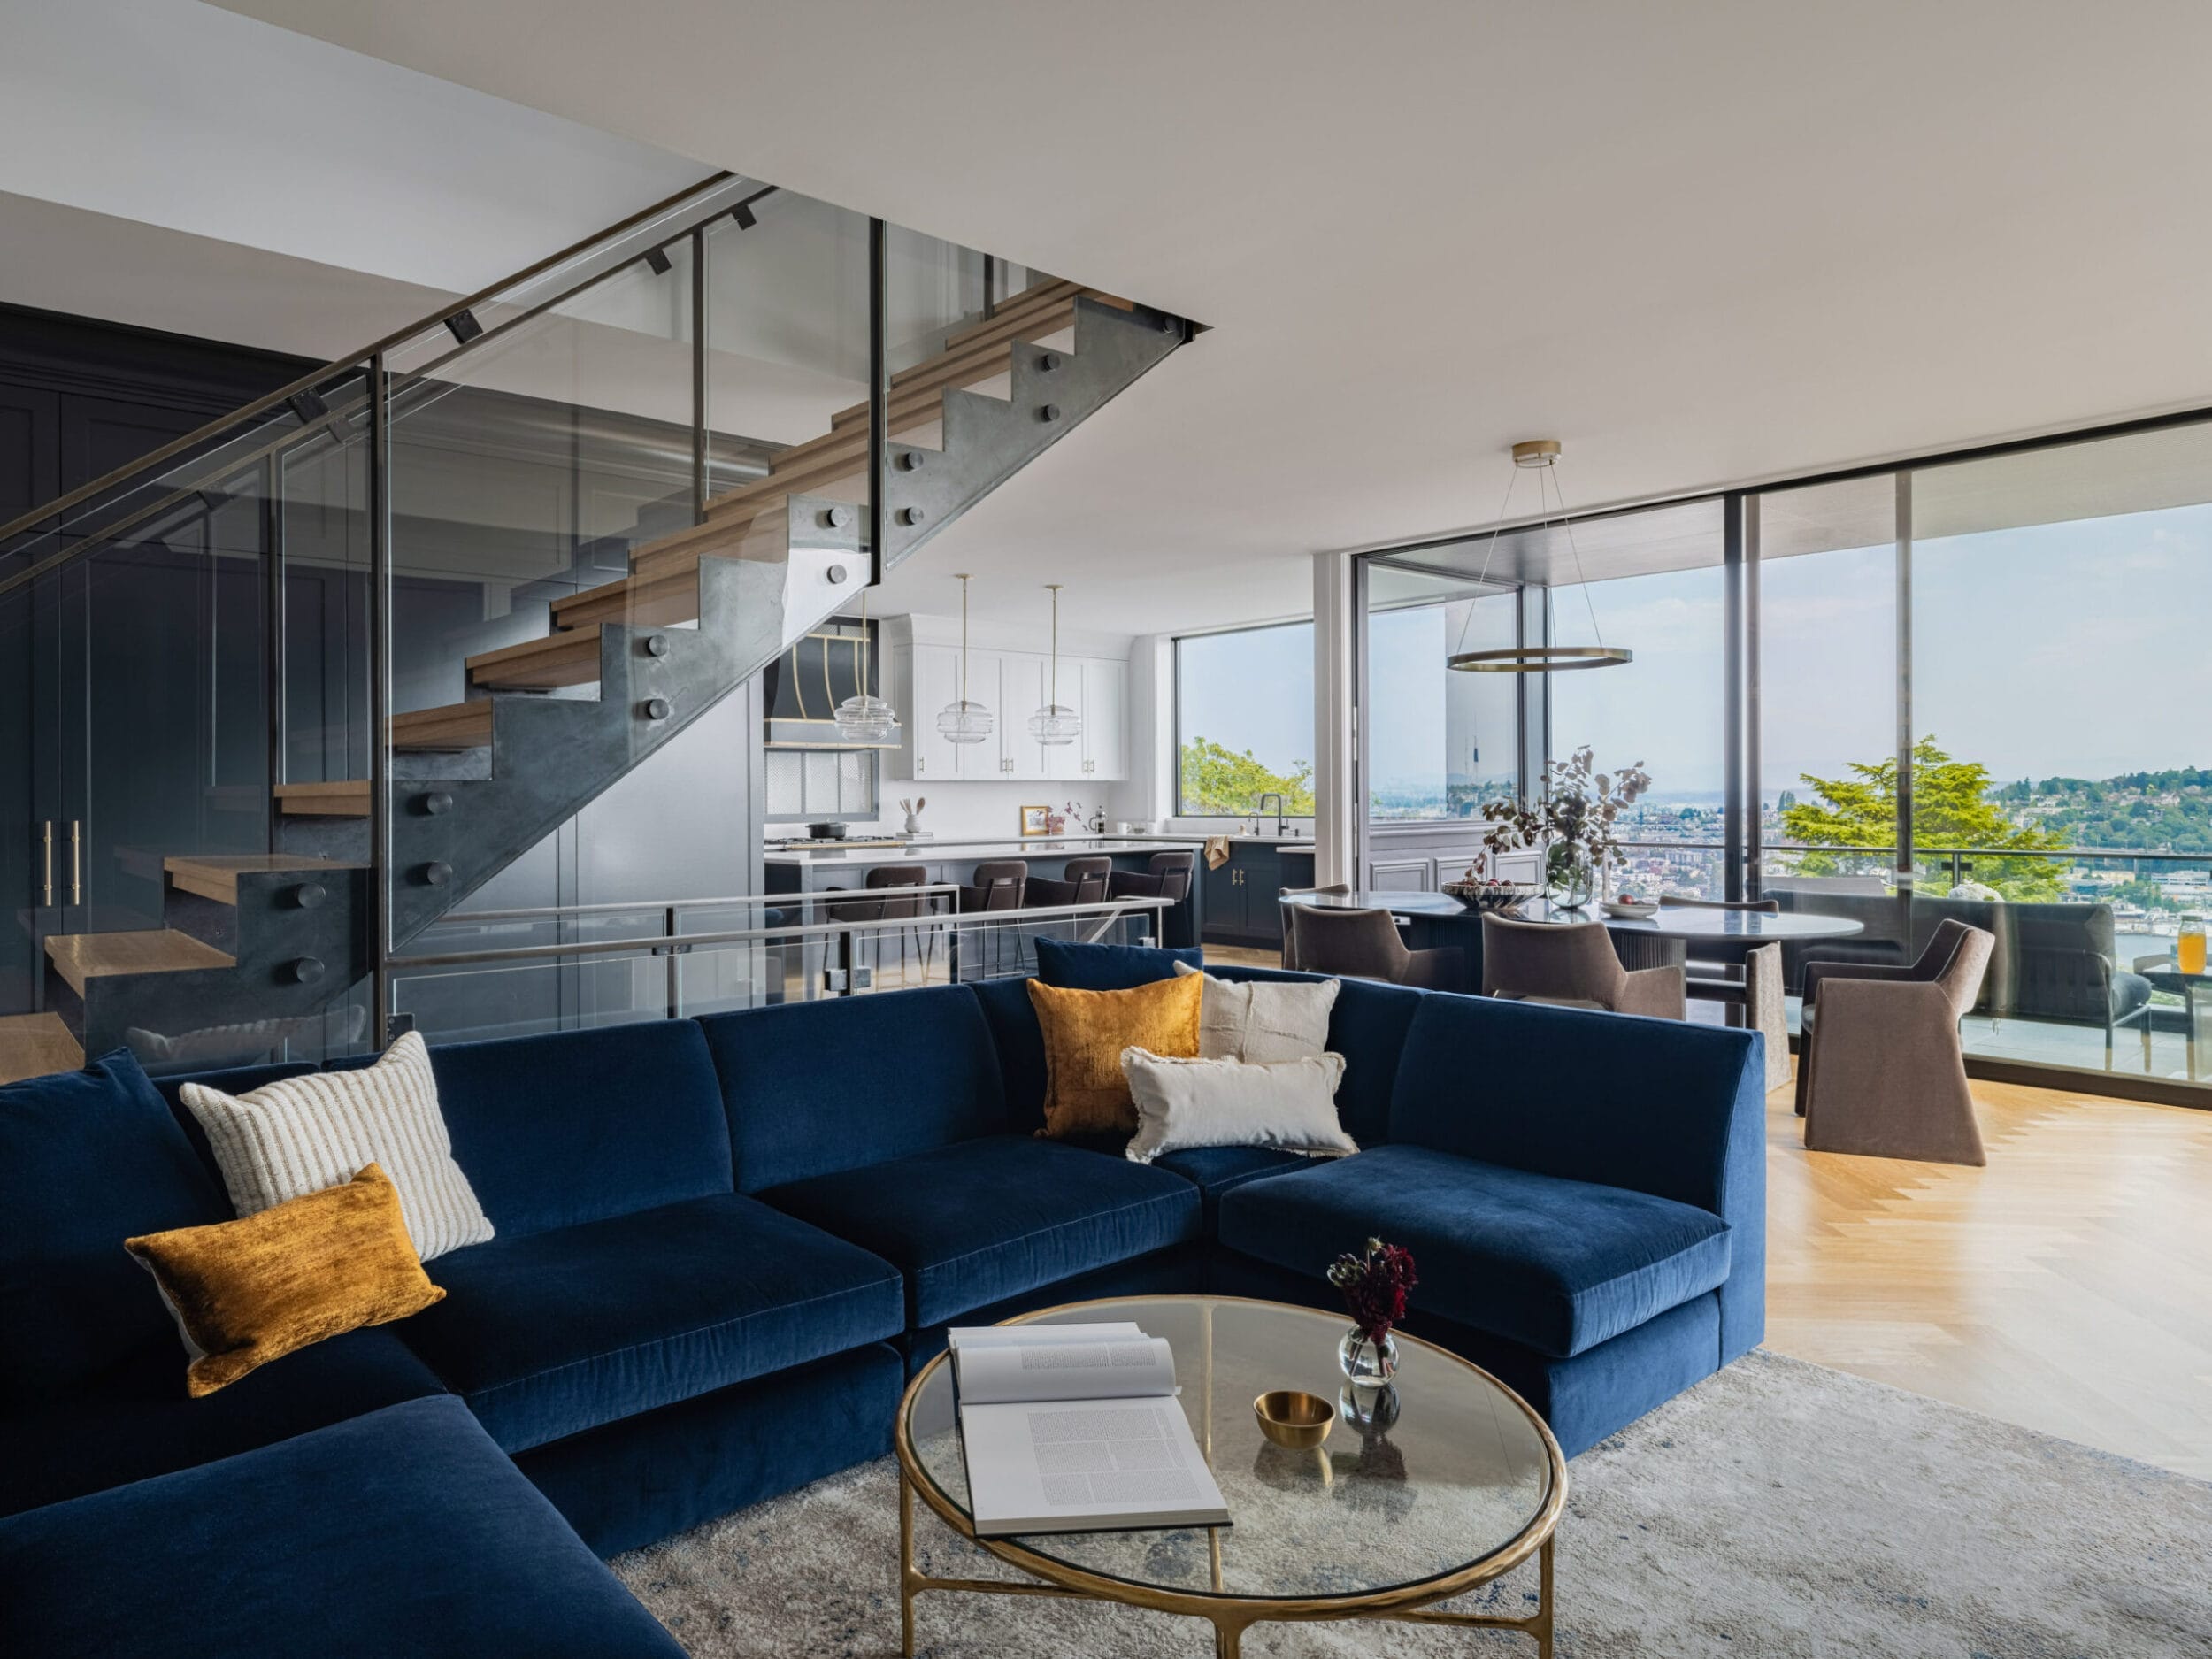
1001	846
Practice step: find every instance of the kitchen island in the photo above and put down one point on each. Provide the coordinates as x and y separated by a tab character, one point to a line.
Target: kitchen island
819	868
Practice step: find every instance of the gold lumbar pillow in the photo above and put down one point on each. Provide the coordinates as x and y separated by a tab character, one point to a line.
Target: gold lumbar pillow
245	1292
1085	1031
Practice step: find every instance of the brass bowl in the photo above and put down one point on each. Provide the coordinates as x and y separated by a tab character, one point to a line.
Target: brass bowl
1295	1419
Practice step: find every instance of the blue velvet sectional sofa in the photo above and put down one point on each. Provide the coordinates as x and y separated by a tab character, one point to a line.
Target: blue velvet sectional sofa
723	1246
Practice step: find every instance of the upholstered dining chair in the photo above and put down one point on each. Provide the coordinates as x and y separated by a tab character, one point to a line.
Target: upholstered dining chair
1082	881
886	879
1572	964
1000	884
1290	918
1364	945
1168	876
1880	1070
1754	984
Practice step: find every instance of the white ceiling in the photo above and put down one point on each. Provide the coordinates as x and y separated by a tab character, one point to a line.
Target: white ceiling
1703	245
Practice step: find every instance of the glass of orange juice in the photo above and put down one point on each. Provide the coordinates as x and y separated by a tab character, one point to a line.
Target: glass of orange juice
2189	948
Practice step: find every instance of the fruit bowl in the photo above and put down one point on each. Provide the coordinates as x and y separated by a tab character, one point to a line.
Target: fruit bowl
1628	910
1496	896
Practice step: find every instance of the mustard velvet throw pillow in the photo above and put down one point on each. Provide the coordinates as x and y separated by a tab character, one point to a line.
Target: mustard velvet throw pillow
1085	1032
246	1291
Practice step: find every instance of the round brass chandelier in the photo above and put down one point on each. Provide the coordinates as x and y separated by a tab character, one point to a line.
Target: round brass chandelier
1538	455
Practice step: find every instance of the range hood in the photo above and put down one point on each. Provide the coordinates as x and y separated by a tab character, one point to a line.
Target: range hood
801	688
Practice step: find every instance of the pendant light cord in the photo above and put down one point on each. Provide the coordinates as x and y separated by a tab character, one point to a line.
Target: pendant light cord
1054	698
964	642
1489	553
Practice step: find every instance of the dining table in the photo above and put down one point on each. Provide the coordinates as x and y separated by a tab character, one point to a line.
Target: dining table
1669	937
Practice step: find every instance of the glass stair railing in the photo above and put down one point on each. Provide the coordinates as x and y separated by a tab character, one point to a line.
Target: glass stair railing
302	681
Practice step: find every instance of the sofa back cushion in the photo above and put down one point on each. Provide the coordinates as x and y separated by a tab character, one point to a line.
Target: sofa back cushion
815	1088
1073	967
559	1130
87	1159
1646	1104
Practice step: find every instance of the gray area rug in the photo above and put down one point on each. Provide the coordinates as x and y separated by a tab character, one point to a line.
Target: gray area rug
1776	1509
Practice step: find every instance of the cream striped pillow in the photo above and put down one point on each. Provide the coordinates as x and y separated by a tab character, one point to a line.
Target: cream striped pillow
302	1134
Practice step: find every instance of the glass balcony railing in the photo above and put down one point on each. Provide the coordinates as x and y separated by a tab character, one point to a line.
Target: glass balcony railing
2088	970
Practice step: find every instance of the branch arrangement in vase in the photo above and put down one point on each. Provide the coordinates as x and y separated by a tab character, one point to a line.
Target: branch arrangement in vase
1573	818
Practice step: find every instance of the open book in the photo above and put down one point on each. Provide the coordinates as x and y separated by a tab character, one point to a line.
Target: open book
1075	1428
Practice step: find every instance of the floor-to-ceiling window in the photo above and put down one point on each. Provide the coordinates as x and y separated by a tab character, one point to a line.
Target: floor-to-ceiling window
1444	742
1966	689
1826	757
1244	721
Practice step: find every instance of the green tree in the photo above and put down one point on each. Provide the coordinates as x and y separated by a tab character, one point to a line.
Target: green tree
1951	807
1219	784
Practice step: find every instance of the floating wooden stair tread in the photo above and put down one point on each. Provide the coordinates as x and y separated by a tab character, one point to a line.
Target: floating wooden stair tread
216	877
455	726
79	957
347	797
641	601
570	659
31	1045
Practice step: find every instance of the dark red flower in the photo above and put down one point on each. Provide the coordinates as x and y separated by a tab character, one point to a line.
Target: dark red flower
1374	1285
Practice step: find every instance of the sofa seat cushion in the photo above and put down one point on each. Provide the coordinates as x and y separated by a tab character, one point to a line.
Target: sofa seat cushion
982	1220
133	1421
555	1332
403	1532
1214	1171
1556	1264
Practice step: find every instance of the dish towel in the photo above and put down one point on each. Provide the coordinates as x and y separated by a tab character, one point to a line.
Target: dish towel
1217	851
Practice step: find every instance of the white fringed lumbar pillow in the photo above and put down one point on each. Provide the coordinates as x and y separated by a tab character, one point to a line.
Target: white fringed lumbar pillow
302	1134
1288	1103
1262	1019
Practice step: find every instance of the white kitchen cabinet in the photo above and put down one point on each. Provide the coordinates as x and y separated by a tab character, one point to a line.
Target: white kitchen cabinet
929	676
1104	704
1022	679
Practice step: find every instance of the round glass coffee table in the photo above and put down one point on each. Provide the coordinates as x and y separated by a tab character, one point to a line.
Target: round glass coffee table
1422	1493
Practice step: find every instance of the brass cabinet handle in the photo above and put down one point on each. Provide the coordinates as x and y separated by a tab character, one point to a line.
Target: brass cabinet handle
76	862
50	862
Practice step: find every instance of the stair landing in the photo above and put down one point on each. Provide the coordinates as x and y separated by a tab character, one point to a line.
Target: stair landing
79	957
31	1045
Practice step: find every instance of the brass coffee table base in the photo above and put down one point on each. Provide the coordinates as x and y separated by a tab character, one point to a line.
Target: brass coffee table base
1231	1618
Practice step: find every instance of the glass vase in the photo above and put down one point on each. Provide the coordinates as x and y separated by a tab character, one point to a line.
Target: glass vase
1367	1364
1569	878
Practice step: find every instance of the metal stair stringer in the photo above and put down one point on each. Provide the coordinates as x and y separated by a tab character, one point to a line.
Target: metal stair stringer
550	756
988	440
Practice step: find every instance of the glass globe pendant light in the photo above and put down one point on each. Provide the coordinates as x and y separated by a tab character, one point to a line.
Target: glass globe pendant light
862	717
960	721
1055	724
1539	454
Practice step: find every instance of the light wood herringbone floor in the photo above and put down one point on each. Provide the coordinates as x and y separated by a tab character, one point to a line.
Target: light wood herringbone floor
2066	1286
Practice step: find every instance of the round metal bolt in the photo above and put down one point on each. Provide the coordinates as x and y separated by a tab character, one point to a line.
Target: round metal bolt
307	971
912	461
1169	326
308	895
654	707
1047	361
912	515
1050	412
835	575
657	645
435	875
837	518
435	803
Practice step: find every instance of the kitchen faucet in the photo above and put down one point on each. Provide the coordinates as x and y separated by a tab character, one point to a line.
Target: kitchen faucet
1282	823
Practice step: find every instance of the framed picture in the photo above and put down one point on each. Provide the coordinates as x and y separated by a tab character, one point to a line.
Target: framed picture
1034	821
